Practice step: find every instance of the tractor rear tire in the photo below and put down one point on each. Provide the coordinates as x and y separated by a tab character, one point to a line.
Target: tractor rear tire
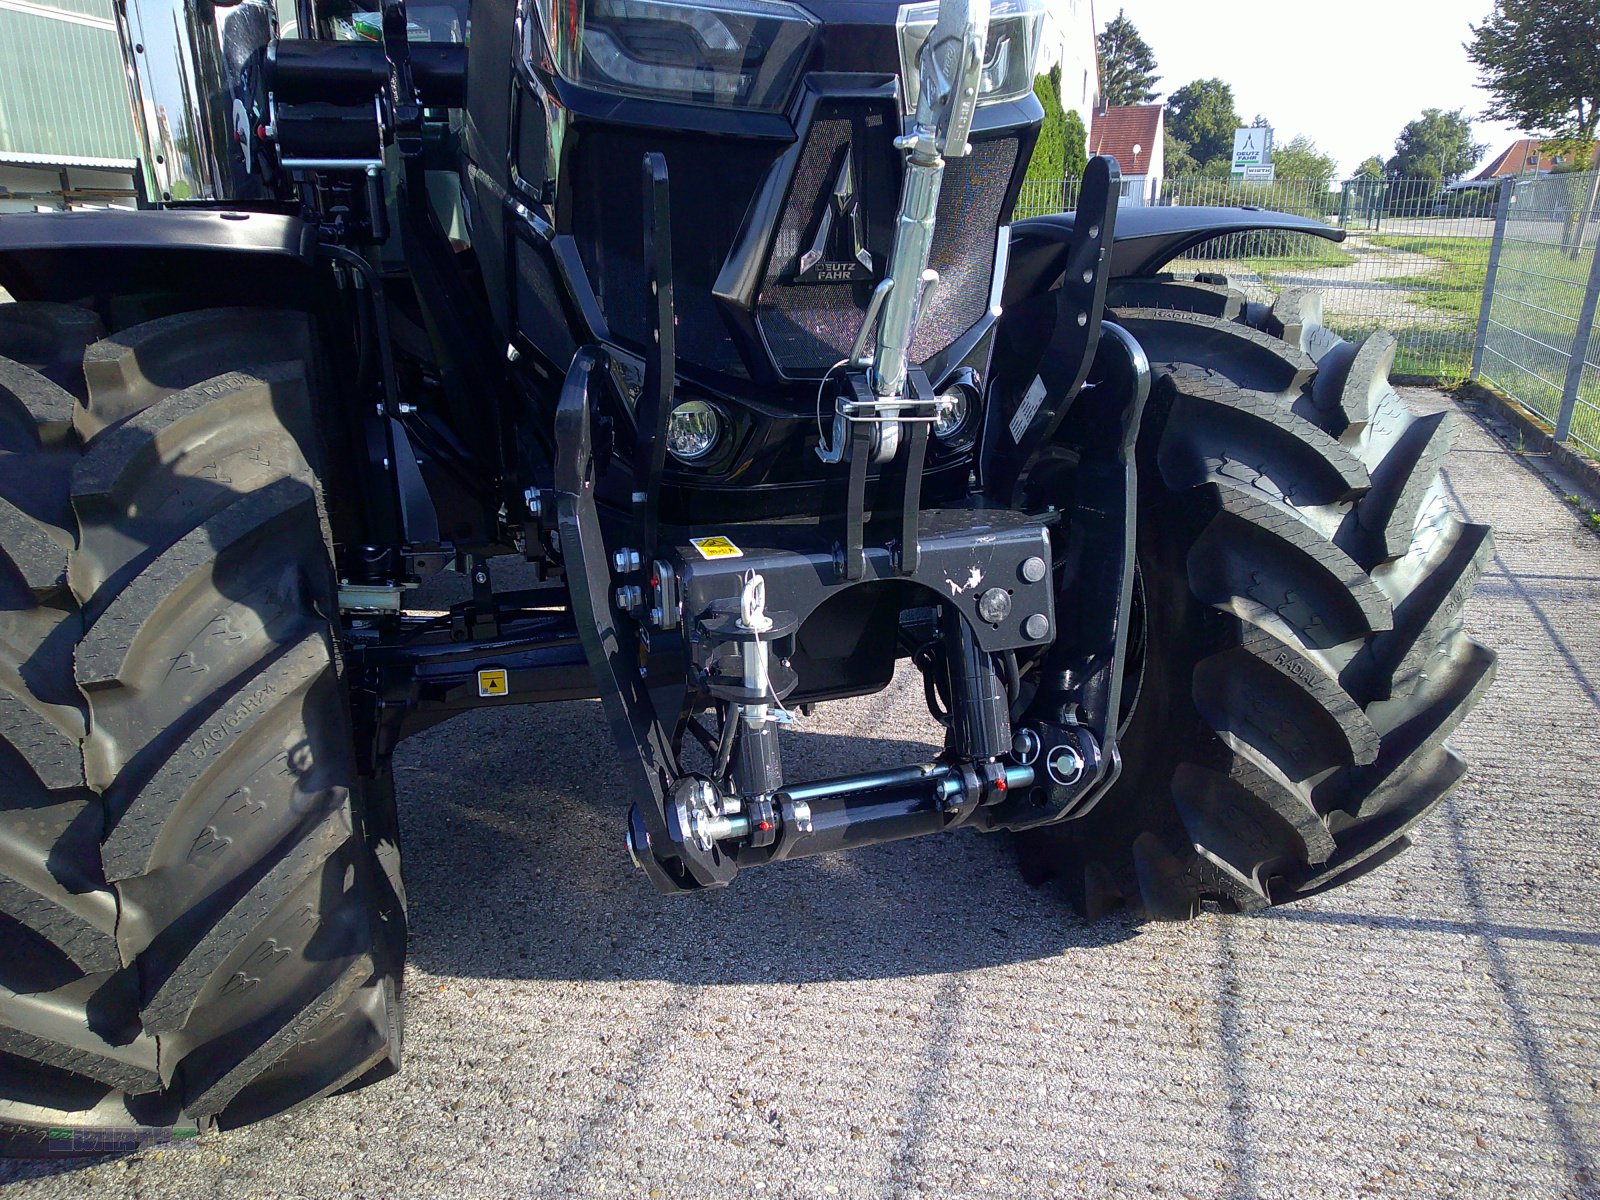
200	905
1298	657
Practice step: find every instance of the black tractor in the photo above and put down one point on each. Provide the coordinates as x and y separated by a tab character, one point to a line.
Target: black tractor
714	314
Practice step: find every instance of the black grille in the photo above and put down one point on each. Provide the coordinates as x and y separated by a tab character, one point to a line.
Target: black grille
809	327
806	325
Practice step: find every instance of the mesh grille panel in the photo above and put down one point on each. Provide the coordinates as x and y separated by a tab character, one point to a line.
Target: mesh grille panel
806	326
810	327
973	190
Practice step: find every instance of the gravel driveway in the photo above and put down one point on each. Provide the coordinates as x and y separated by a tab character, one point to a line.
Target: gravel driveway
914	1020
1361	294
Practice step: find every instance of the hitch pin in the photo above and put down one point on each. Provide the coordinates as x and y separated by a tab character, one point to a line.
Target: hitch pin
753	616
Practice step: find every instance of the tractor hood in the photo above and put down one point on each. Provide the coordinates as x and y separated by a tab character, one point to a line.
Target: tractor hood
779	144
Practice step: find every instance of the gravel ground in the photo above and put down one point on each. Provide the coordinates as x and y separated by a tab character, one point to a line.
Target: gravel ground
1361	294
913	1020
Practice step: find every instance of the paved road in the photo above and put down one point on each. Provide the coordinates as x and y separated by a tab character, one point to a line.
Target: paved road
914	1020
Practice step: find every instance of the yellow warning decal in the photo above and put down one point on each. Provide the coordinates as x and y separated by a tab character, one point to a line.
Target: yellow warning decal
492	682
716	547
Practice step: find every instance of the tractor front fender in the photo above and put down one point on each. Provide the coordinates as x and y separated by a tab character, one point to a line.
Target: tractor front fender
1146	239
212	257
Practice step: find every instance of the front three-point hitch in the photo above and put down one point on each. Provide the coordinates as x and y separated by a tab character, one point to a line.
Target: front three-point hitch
679	632
679	622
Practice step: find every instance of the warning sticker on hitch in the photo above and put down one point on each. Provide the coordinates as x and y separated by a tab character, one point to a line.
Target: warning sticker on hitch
492	682
716	547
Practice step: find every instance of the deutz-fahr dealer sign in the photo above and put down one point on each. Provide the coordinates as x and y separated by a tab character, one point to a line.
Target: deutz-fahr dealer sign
1252	152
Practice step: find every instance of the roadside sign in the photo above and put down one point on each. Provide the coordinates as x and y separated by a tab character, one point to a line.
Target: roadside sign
1251	148
1264	174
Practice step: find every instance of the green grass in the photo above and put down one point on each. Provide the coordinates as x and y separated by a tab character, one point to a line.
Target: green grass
1317	256
1551	263
1440	347
1464	251
1536	285
1227	256
1461	297
1539	292
1433	351
1456	288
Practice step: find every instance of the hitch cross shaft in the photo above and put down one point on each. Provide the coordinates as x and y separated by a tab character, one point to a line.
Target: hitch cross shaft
849	812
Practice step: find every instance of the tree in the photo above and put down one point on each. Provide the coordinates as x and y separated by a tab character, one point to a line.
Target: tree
1062	149
1127	64
1179	162
1373	168
1202	116
1076	155
1299	158
1540	61
1048	162
1438	145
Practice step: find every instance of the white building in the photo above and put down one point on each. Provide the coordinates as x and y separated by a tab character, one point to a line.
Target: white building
66	133
1069	41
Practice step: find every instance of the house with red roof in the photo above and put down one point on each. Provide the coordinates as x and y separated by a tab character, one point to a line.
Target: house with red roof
1527	156
1134	135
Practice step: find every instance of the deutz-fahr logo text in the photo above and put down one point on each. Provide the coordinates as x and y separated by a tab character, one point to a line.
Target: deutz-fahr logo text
836	251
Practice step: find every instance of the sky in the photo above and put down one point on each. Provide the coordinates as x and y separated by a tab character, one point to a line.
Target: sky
1348	74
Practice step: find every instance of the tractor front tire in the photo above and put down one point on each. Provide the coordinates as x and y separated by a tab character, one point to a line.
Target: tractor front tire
201	915
1298	657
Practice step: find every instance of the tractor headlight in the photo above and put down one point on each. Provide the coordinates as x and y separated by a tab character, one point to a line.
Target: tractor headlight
739	53
1014	30
693	431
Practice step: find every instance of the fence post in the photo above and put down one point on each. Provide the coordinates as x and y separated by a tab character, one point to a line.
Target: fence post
1580	347
1502	212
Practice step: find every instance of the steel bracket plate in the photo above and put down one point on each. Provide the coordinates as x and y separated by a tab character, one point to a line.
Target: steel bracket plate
1052	340
612	643
1082	676
964	553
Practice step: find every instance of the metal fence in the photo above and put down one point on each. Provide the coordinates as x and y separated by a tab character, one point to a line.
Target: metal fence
1413	261
1536	320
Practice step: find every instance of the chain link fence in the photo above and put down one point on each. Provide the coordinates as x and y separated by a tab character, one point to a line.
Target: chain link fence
1413	261
1536	322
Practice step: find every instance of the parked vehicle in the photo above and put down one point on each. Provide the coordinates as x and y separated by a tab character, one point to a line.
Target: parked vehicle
716	315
